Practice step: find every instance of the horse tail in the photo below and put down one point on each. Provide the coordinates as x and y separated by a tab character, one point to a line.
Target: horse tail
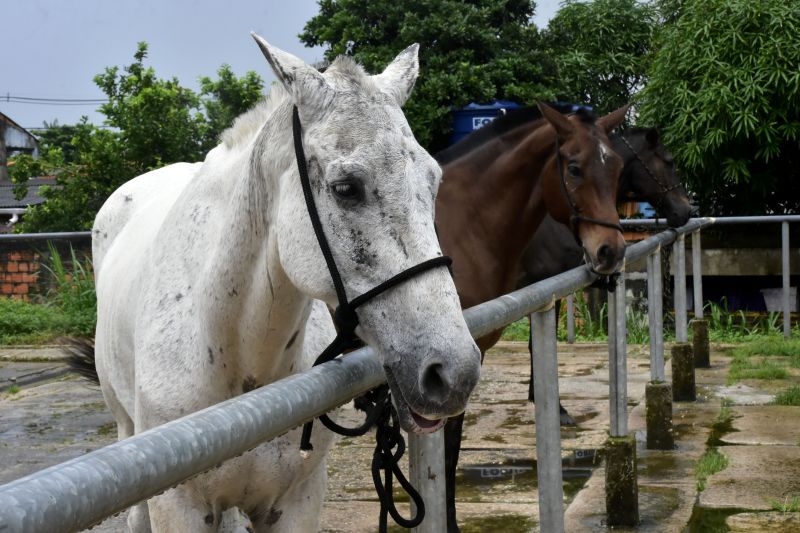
80	358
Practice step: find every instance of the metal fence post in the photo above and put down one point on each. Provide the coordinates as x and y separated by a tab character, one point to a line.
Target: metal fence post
787	317
679	252
426	472
571	319
697	274
618	381
655	315
548	429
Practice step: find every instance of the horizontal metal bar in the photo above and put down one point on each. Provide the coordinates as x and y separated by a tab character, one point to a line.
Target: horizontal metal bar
24	237
660	222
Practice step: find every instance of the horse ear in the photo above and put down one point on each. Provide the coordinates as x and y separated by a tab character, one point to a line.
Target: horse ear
399	77
613	119
652	136
561	123
305	84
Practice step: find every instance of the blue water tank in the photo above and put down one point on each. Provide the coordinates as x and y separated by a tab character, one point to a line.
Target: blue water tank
473	116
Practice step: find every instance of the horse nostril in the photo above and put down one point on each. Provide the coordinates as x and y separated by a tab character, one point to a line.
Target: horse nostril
605	254
434	384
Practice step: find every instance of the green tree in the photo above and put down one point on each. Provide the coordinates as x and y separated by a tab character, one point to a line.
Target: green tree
153	122
725	90
601	50
469	51
226	98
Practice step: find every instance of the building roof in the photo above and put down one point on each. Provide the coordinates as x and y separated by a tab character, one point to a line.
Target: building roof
33	197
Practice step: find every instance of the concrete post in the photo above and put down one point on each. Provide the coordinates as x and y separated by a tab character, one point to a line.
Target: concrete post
658	400
683	389
426	473
700	344
787	317
622	491
548	428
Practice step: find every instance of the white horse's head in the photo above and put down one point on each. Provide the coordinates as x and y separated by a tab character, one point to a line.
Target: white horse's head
374	187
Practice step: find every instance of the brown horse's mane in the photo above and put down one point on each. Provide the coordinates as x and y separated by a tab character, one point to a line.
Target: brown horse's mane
511	120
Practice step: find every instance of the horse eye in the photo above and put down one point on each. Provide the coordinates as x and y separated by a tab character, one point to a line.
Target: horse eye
574	170
346	190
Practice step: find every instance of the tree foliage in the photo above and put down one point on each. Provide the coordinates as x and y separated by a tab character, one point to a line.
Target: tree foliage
469	51
725	89
153	122
601	50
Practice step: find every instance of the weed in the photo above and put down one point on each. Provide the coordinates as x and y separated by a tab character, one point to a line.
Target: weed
13	389
790	396
788	505
710	463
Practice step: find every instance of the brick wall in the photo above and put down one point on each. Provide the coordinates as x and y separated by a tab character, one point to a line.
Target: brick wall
23	272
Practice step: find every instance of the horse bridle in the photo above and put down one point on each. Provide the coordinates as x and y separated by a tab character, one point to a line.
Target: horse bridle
664	189
378	403
575	216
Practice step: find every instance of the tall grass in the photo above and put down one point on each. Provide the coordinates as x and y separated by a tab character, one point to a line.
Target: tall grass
69	308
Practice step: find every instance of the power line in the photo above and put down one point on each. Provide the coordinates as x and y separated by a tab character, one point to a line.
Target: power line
10	98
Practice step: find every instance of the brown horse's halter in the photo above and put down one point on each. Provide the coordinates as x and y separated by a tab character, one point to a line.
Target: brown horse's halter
575	218
664	188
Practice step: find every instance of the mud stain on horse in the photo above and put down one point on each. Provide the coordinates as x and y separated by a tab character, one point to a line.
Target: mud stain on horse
249	384
273	516
210	355
209	519
291	341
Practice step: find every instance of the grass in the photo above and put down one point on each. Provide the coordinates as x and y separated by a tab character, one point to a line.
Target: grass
710	463
13	389
764	358
69	309
788	505
790	396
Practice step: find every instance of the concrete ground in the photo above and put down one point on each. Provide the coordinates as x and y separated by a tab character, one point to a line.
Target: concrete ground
52	417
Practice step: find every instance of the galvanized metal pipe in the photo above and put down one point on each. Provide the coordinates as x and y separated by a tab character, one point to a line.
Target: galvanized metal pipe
655	316
787	317
22	237
612	360
697	274
571	318
426	473
618	372
679	294
79	493
548	429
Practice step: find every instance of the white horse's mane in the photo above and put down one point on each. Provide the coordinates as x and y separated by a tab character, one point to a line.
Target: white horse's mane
344	70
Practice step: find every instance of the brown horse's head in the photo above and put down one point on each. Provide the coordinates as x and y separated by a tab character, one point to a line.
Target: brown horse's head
580	183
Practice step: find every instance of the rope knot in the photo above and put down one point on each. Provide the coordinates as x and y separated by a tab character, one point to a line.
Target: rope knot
346	318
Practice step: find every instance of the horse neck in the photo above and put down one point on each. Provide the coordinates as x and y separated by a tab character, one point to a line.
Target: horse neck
628	158
491	203
260	314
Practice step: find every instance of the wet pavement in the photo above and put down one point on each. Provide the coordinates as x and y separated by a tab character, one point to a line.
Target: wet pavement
60	417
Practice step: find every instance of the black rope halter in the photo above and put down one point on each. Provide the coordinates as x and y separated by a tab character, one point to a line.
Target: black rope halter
664	189
376	403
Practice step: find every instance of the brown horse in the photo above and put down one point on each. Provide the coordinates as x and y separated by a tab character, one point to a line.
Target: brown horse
493	198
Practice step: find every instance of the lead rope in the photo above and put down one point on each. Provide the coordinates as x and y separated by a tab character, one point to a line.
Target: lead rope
376	403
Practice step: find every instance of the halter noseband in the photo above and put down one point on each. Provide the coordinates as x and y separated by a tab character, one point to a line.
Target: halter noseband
380	409
664	189
575	216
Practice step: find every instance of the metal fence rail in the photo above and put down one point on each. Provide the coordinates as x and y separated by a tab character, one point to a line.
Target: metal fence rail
81	492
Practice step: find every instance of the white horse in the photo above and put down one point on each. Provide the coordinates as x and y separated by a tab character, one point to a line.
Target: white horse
207	274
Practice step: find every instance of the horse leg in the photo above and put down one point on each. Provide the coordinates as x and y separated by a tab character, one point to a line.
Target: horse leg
297	510
452	447
565	418
183	508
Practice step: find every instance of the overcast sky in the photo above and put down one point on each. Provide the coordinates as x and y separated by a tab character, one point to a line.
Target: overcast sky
53	48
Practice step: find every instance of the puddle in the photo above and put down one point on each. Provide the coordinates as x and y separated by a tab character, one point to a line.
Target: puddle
709	520
476	482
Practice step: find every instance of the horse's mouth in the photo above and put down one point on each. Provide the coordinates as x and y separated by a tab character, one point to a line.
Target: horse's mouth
410	421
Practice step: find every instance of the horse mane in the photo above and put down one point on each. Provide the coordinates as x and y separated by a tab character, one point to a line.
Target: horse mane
512	119
344	70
